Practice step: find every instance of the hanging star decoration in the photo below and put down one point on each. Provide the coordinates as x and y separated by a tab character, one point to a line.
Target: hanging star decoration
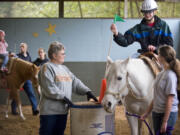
35	34
51	29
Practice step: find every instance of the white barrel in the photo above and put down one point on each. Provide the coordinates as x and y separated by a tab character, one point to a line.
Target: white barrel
88	118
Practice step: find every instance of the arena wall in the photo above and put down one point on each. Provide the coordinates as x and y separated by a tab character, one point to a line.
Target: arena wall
86	42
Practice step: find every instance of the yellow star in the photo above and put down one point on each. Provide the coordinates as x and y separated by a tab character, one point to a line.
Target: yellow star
51	29
35	34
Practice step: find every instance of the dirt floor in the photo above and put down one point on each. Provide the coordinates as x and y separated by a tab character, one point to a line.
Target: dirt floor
15	126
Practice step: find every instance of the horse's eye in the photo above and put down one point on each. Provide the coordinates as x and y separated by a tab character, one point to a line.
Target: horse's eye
119	78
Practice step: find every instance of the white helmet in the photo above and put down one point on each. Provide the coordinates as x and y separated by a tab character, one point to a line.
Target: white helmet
148	5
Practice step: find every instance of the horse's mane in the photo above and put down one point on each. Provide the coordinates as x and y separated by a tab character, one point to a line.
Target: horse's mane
22	62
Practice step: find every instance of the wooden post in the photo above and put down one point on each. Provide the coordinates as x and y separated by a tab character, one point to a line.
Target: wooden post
125	8
61	8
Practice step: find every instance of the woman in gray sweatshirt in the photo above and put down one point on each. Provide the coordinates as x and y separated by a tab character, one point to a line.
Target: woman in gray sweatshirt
57	84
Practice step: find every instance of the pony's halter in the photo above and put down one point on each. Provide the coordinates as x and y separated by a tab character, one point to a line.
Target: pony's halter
117	95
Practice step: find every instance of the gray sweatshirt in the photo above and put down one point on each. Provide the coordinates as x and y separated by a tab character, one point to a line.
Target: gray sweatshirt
57	82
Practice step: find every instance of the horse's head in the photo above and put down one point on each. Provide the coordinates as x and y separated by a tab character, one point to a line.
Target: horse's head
116	75
34	78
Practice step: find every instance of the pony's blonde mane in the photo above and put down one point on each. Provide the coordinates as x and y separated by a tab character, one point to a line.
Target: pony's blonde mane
22	62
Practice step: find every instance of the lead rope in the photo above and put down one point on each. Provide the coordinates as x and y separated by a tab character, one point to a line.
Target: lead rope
134	115
168	129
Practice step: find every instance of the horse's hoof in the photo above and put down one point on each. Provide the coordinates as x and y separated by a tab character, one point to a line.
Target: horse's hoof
6	116
23	118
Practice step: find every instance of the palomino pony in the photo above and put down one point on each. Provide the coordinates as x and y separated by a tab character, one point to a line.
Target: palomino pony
131	82
20	71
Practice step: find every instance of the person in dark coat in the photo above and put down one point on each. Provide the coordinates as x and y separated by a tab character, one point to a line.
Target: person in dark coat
151	33
42	57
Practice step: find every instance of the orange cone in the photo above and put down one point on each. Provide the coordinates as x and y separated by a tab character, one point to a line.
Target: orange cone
103	89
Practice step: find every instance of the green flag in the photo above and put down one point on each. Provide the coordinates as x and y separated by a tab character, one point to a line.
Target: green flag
118	18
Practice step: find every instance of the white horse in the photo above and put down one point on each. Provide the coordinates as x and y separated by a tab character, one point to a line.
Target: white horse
131	82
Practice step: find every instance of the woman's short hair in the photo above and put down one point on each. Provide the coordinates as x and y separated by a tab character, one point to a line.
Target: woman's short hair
24	44
54	48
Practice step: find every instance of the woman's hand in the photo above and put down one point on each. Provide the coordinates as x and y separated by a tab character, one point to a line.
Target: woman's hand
151	48
91	96
163	127
143	116
114	29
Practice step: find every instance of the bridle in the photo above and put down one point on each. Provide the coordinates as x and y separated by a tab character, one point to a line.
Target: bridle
117	95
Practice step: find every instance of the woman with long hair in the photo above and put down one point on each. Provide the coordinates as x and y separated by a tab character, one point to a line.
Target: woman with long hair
164	106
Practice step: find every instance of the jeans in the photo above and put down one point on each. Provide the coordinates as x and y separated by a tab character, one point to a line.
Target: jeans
5	59
158	119
28	88
52	124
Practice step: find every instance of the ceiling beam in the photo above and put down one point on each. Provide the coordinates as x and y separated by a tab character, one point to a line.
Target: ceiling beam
70	0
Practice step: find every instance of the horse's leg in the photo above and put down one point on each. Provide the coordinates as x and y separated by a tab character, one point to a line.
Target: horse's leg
150	121
39	91
17	100
133	123
7	106
140	127
20	111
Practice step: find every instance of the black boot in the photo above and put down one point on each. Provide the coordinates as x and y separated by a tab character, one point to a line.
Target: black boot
14	112
35	112
13	108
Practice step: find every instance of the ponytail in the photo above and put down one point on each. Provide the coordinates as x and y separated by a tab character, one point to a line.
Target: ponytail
175	66
169	55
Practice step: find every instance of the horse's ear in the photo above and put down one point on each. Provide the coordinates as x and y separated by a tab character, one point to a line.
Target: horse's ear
127	60
109	60
108	64
35	67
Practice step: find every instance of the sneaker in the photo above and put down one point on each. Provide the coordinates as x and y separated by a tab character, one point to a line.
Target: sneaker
36	112
4	69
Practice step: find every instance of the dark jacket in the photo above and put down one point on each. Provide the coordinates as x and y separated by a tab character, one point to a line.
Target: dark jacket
39	62
157	35
27	58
